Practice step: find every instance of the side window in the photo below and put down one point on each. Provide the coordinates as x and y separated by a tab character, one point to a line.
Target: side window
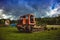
26	17
32	19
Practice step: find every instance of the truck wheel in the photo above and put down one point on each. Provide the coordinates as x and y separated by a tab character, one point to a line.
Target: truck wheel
31	29
20	29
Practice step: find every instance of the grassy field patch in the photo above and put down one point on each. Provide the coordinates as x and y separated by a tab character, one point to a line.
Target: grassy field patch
11	33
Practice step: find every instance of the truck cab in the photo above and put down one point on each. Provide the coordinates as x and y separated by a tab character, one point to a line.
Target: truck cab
26	23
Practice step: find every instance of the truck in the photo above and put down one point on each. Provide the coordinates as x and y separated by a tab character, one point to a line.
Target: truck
27	23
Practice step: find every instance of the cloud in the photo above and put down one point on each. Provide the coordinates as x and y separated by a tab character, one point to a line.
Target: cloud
54	10
5	16
12	9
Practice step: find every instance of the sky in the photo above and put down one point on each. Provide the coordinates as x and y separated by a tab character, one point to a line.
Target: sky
13	9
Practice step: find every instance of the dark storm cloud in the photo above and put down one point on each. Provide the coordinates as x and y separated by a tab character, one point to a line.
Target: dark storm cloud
15	8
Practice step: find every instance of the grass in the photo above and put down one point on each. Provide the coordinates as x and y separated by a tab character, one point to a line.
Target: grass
11	33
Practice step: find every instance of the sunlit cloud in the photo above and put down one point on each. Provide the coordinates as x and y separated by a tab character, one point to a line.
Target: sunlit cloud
5	16
54	10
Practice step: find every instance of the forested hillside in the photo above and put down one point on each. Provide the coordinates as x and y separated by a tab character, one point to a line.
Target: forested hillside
49	21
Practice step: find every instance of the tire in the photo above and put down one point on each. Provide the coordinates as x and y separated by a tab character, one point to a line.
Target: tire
20	29
29	29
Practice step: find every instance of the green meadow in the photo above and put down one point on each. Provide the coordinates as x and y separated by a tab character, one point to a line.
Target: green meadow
11	33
